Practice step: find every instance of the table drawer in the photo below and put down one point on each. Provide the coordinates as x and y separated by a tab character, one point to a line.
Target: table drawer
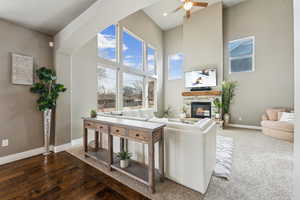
118	131
102	128
139	135
90	125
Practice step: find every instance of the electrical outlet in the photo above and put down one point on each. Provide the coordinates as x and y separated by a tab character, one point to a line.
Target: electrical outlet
4	143
240	118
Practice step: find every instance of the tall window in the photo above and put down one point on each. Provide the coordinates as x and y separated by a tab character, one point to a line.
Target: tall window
132	51
132	91
175	66
151	60
107	43
241	55
107	89
151	93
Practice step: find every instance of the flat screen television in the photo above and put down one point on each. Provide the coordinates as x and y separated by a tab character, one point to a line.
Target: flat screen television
201	78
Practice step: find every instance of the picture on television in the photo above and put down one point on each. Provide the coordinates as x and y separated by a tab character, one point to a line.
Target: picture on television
203	78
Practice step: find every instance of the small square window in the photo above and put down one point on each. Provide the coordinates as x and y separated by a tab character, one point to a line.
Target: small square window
241	55
175	66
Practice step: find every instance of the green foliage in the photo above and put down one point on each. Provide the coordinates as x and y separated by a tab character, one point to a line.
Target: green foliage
228	88
46	88
124	155
168	112
93	113
218	104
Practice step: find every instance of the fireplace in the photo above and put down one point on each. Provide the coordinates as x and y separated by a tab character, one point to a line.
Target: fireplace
201	109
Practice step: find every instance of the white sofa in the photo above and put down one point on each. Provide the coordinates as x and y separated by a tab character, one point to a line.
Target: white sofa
190	150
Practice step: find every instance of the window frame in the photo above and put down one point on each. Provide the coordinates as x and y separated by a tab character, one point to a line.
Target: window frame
241	57
182	72
121	69
155	59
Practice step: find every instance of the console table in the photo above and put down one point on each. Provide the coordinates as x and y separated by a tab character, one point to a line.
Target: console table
139	131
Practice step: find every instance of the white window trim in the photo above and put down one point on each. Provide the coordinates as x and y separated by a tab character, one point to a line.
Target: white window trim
155	59
168	74
240	57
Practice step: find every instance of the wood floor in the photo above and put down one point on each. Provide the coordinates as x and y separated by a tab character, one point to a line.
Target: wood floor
59	176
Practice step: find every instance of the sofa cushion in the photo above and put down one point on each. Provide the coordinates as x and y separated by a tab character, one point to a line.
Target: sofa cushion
279	125
273	113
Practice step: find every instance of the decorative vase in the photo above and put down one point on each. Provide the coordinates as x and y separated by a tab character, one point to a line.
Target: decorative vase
226	119
124	163
182	115
217	116
47	130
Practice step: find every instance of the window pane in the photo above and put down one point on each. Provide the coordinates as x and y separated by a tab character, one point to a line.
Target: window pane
175	66
151	60
241	48
132	91
132	51
241	65
107	89
151	93
107	43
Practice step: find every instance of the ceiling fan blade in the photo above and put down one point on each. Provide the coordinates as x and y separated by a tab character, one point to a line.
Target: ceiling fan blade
200	4
188	14
174	11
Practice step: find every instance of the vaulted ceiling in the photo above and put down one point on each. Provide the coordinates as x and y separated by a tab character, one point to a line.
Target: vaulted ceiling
156	11
47	16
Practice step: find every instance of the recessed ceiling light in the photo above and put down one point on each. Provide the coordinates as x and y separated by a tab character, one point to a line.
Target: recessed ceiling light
51	44
165	14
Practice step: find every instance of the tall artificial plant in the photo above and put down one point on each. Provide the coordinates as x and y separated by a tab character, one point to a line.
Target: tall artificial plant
218	105
228	92
47	89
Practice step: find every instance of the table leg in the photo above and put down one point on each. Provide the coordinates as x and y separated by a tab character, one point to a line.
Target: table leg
151	167
122	144
85	139
161	157
110	151
96	140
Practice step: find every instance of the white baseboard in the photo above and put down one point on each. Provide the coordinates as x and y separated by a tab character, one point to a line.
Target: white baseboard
245	126
22	155
78	141
62	147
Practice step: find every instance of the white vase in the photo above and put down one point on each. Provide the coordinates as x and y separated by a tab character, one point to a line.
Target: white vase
124	163
182	115
47	130
226	119
217	116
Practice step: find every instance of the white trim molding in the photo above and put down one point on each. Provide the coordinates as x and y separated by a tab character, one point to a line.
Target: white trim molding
245	126
62	147
22	155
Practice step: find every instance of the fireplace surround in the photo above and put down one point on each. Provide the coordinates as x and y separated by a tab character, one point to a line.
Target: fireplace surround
201	110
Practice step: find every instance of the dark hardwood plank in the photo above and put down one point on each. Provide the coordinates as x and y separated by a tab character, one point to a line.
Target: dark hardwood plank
59	176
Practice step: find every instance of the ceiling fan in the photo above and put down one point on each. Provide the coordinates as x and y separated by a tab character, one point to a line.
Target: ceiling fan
187	5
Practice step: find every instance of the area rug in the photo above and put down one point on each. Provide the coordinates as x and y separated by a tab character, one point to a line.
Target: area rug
224	153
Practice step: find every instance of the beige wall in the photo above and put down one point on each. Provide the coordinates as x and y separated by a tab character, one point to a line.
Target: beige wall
297	99
84	61
200	39
203	40
20	121
271	84
173	88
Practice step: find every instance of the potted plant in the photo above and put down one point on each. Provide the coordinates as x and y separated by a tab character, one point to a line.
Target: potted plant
93	113
219	106
184	113
48	91
228	89
124	158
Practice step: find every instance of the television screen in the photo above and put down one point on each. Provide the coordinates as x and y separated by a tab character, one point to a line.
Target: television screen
202	78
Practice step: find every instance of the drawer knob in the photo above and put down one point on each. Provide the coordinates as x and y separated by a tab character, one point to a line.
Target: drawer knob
137	135
117	131
101	127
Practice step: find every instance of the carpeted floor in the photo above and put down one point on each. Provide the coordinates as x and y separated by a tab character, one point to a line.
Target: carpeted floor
262	170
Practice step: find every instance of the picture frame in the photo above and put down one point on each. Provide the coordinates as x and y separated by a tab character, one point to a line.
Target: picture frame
22	69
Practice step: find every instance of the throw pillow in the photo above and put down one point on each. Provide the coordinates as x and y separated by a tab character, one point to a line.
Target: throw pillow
288	117
273	113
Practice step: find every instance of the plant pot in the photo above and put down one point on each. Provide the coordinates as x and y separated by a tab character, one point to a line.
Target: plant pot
124	163
47	130
217	116
226	119
93	115
182	115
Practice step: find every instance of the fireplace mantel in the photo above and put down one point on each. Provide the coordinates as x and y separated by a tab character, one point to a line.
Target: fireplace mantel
202	93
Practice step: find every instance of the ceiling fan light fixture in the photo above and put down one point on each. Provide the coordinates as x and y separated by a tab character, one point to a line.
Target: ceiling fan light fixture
188	5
